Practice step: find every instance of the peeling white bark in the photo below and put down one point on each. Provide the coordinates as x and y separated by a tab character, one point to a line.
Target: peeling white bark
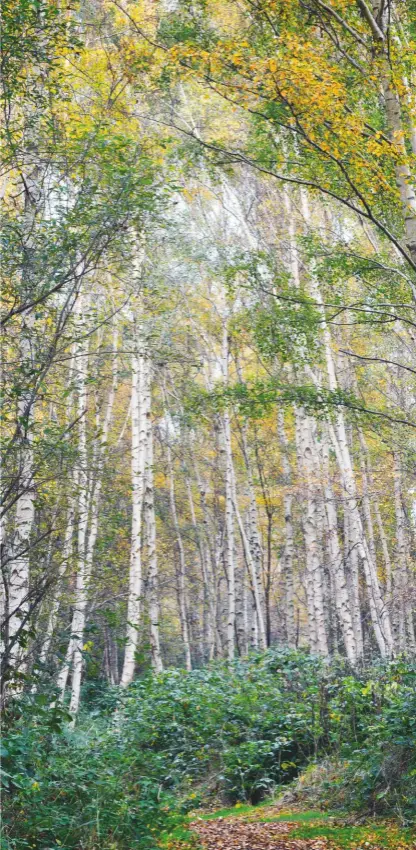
183	613
18	580
140	412
153	575
288	554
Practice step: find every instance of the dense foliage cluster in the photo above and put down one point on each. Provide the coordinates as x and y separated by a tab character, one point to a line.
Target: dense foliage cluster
140	758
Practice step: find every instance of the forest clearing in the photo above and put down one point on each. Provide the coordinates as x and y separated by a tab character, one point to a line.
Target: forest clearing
208	424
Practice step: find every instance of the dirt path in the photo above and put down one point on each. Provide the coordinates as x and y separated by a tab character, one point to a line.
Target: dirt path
238	834
271	828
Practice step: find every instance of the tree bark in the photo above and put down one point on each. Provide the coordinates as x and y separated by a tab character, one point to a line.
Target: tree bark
288	553
140	412
183	613
153	575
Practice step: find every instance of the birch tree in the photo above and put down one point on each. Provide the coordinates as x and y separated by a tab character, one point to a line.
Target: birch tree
153	572
229	503
140	415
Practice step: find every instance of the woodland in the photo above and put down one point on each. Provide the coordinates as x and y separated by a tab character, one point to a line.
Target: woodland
208	424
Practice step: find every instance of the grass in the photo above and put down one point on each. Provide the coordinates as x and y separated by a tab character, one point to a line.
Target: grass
255	813
299	817
235	811
180	839
388	835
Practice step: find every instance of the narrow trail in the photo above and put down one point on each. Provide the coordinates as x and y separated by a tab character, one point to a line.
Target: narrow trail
270	828
239	834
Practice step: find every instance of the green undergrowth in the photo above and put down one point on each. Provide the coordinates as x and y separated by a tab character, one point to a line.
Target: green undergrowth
139	760
239	810
387	835
260	813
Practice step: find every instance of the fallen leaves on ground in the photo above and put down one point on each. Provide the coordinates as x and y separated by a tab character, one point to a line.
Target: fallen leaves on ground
236	834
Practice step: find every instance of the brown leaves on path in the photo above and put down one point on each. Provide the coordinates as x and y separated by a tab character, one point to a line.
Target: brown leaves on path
237	834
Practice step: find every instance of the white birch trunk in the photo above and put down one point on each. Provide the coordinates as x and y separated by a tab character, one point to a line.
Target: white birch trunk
254	540
379	521
312	516
288	554
80	604
183	613
313	535
403	608
353	581
206	578
211	560
229	522
366	503
342	600
88	512
378	609
254	576
240	620
17	611
18	584
69	532
140	404
229	506
308	525
153	575
87	537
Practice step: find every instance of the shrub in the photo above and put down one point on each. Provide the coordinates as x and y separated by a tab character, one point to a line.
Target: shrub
379	768
248	726
139	759
78	788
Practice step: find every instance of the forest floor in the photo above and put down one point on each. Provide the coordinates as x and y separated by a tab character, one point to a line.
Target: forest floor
268	827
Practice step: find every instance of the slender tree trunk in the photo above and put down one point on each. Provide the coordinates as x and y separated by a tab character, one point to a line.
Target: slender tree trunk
312	517
240	614
88	509
229	521
309	529
210	560
366	503
153	576
16	602
254	577
342	600
229	507
18	579
183	613
288	554
254	541
379	520
80	604
403	609
351	562
312	527
140	412
206	578
66	558
379	613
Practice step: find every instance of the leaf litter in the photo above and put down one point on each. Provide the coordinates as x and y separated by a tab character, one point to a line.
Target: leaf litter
238	834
